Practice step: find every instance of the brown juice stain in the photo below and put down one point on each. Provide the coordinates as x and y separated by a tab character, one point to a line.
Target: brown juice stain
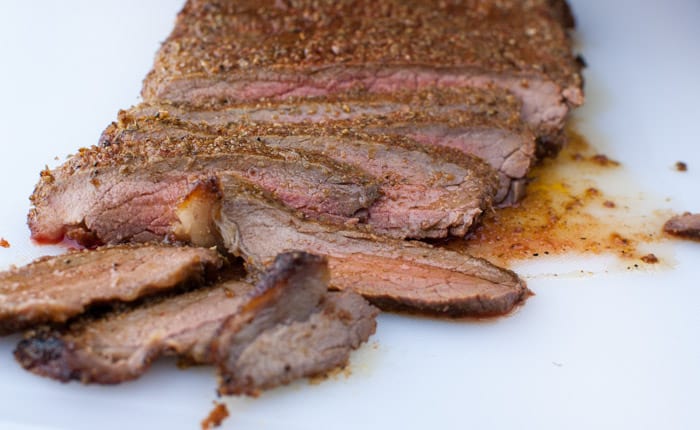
567	210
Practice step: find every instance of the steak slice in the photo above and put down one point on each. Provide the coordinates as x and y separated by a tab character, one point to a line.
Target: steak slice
424	193
392	274
54	289
245	50
351	105
482	123
121	345
300	349
686	225
133	189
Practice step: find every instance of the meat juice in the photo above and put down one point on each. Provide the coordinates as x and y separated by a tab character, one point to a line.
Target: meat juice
567	210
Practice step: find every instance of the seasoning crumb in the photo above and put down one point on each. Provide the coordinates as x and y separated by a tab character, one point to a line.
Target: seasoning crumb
603	160
183	363
609	204
345	371
592	192
619	240
650	259
4	243
216	416
681	166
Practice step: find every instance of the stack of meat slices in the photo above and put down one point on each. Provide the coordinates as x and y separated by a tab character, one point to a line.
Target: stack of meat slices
473	122
259	335
349	129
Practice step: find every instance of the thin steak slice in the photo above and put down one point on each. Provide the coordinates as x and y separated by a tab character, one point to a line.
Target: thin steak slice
132	189
300	349
121	345
440	102
686	225
482	123
425	193
392	274
54	289
252	50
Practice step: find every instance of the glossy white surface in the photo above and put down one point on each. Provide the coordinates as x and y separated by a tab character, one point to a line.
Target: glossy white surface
609	350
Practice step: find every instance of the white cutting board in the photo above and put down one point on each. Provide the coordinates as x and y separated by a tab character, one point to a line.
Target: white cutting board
609	350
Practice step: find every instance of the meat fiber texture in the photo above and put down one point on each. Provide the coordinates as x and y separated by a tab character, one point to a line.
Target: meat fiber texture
226	51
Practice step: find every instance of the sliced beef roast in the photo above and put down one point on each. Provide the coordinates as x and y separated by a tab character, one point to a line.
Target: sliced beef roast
252	50
392	274
53	289
482	123
425	193
686	225
121	345
149	188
